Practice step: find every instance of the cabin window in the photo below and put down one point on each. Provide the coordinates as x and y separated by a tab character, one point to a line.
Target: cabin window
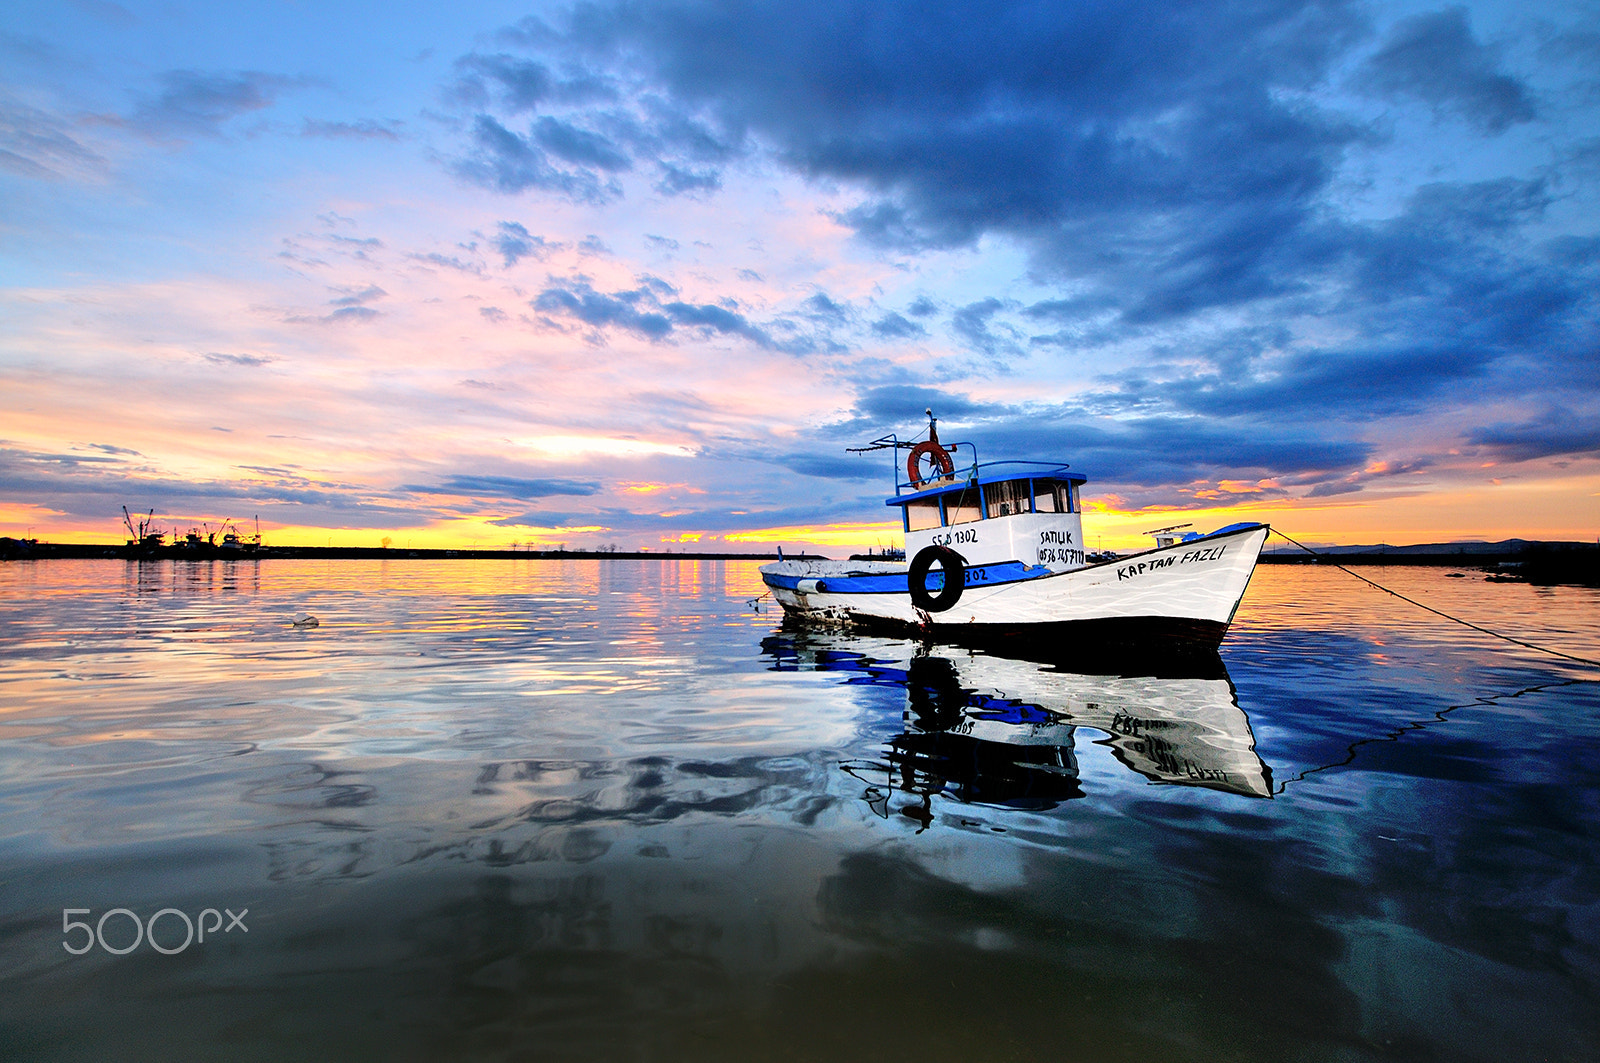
1047	497
1006	498
962	507
922	514
1051	496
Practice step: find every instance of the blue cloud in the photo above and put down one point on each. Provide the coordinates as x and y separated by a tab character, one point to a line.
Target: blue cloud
1150	451
831	467
509	162
721	518
1434	58
94	487
505	487
365	129
584	122
519	84
196	103
515	243
241	360
892	326
34	143
434	258
820	306
1558	432
895	404
973	325
579	300
580	146
357	296
1346	384
717	319
678	181
350	313
648	310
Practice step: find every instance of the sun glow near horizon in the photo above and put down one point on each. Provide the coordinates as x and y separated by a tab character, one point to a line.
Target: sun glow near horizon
1489	512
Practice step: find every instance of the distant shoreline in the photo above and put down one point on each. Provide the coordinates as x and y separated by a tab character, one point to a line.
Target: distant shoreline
13	550
1508	561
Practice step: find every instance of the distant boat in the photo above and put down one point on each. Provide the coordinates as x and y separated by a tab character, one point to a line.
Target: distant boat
997	557
234	543
144	540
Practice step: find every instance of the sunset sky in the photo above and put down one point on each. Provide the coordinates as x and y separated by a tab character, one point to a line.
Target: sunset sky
638	273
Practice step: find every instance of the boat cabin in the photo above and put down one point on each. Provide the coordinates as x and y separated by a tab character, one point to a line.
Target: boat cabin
997	512
992	493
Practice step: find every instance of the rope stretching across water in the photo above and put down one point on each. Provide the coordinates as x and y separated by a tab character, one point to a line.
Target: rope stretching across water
1436	612
1439	716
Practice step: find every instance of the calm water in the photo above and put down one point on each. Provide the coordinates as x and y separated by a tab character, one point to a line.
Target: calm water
586	810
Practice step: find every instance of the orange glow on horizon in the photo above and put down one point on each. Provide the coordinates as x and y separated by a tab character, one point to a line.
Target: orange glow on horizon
832	535
1532	509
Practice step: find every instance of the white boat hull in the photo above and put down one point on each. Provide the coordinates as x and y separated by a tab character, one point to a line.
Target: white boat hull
1187	592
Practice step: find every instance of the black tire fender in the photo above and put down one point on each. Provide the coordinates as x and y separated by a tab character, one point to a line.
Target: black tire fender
955	578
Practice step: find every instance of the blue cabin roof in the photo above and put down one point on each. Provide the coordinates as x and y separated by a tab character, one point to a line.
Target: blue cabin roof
988	473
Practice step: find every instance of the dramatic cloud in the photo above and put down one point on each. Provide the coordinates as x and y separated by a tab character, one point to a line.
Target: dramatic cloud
1017	118
1166	160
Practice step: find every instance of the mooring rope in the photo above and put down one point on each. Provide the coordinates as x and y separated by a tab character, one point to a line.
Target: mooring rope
1439	716
1437	612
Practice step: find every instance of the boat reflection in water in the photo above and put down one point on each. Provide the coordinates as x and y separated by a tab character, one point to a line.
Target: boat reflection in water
1002	732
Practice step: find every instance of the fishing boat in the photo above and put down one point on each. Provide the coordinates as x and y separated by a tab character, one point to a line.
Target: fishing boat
144	539
997	557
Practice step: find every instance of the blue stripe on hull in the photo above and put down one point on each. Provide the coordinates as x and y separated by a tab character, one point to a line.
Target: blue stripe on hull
896	583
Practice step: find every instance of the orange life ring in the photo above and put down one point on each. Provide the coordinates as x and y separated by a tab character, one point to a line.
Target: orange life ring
941	462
